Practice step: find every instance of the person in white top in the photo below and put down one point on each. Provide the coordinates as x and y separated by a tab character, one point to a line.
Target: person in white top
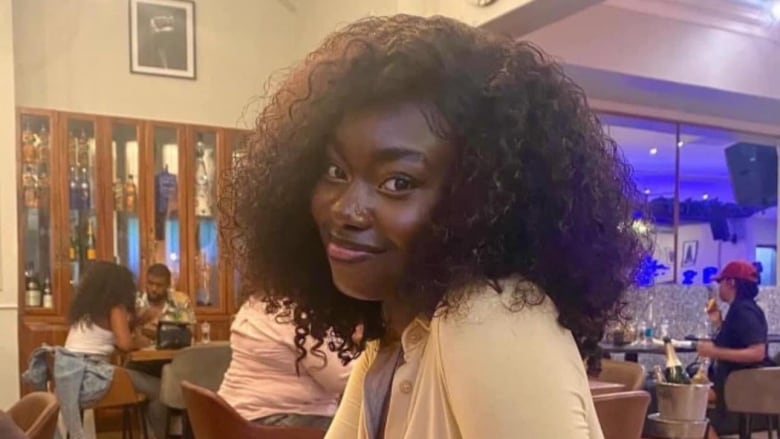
449	190
101	317
264	357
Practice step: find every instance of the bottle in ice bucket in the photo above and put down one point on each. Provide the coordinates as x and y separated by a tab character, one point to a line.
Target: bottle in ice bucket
658	374
701	374
674	372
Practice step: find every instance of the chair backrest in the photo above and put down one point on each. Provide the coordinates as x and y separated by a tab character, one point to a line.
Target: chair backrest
753	391
212	418
627	373
203	365
36	413
622	415
121	393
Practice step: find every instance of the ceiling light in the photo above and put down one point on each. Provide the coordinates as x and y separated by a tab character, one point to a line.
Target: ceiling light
647	191
653	151
680	144
705	197
775	10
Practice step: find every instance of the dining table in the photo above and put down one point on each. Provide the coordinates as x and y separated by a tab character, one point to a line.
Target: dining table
150	354
631	351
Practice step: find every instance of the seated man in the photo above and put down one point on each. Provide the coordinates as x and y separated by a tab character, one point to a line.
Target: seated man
741	342
159	302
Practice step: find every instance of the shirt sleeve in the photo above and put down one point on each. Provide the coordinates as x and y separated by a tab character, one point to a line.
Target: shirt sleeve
508	372
346	423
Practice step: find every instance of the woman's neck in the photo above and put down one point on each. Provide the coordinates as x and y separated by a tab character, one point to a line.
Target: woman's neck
397	315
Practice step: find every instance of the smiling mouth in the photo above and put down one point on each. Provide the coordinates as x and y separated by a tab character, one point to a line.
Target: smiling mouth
350	252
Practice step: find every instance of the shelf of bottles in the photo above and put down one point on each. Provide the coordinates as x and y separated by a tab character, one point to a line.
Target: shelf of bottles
205	210
125	161
165	241
238	150
36	212
82	209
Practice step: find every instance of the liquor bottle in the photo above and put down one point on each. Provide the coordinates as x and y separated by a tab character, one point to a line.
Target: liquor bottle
73	249
29	187
48	299
72	150
674	371
701	374
33	292
28	146
130	193
119	196
91	251
202	183
84	192
74	197
43	145
83	149
658	374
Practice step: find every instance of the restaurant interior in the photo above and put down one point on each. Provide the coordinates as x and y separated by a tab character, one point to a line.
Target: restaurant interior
114	156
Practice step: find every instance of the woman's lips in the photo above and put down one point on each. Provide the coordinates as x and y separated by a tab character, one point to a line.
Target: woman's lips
341	253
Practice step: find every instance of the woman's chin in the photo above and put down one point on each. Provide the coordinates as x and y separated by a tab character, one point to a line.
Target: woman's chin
359	292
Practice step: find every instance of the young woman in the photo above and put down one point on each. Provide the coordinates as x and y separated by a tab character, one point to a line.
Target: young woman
264	357
741	342
451	191
100	317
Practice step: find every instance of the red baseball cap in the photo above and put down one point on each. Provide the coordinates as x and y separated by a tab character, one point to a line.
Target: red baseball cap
738	270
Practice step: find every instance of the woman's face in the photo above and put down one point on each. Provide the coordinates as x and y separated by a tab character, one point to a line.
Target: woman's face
384	176
727	290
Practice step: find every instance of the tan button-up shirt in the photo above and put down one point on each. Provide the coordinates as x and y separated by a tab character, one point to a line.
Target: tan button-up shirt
490	369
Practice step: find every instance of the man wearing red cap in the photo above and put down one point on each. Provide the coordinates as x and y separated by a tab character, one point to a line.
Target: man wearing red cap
741	342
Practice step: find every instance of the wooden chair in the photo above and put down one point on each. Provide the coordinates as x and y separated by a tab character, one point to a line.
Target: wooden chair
622	415
627	373
213	418
121	395
36	414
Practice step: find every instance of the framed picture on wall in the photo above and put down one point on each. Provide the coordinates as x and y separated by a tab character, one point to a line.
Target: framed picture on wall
690	251
162	38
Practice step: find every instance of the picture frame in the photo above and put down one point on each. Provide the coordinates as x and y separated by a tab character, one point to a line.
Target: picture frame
690	253
162	38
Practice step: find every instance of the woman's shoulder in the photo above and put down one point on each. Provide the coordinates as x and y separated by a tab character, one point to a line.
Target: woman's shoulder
508	301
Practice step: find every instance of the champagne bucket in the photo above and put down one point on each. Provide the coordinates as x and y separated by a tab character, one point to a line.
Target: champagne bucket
662	428
682	402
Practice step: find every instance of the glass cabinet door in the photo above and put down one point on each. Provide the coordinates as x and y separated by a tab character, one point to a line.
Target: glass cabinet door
238	149
204	184
35	208
125	180
165	243
81	199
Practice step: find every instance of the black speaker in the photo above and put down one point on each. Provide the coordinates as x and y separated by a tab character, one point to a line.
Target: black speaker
753	171
720	229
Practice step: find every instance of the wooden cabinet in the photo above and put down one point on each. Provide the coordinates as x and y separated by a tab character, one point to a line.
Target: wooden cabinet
134	191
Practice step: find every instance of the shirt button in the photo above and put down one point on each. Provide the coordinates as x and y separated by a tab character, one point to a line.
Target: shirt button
406	387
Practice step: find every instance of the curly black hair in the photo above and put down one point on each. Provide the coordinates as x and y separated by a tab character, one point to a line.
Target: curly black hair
538	191
103	286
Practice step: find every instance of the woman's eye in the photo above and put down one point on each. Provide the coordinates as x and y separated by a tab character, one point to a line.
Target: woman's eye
336	173
398	184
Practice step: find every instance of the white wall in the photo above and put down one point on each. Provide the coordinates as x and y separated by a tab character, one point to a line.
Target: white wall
73	55
9	372
751	232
